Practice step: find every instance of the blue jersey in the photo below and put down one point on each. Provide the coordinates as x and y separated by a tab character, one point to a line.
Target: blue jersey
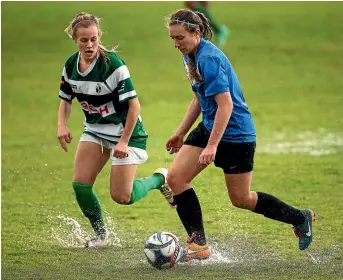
218	76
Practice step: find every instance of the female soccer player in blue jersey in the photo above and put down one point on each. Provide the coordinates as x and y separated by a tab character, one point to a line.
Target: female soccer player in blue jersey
226	136
113	128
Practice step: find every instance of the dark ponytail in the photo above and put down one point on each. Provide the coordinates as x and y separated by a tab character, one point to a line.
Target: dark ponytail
207	31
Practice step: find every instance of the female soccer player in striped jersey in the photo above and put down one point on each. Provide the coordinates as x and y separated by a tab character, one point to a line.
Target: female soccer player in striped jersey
226	136
100	81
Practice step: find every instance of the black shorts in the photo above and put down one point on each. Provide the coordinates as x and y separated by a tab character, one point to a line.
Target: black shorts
233	158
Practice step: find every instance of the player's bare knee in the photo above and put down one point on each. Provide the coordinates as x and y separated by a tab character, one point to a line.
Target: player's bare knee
240	201
121	198
173	180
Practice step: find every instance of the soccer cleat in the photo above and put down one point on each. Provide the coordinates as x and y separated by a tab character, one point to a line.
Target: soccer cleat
194	251
222	36
165	189
98	242
304	231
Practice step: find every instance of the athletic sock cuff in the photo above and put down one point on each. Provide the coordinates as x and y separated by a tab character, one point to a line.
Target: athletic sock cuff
79	185
185	196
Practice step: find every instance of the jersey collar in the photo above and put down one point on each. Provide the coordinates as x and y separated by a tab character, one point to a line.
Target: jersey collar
90	67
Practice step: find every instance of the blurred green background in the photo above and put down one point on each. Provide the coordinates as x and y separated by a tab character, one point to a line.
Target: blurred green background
288	57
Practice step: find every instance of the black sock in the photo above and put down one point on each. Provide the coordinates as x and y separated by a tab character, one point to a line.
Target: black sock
273	208
189	210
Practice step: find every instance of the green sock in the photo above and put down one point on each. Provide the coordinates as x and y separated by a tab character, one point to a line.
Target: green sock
200	8
142	186
90	206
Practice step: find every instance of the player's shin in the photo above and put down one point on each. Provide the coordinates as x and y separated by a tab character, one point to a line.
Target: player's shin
90	206
189	211
142	186
273	208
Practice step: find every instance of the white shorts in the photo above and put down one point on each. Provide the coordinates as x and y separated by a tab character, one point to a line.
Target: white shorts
135	155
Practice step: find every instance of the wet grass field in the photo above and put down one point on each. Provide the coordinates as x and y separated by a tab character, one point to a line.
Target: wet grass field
288	59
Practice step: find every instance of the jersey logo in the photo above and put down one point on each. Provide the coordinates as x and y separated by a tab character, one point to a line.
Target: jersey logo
88	107
103	110
122	87
75	88
106	109
98	88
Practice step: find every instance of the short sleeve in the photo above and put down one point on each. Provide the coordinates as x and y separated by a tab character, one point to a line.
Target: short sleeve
120	81
214	75
66	92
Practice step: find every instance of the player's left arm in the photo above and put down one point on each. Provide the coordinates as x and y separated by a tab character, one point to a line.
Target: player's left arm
121	81
121	149
217	87
131	119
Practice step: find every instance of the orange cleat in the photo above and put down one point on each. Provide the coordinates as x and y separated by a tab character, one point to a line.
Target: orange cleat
196	252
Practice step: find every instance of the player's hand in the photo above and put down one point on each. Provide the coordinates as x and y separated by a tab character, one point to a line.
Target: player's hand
64	136
208	155
120	150
174	143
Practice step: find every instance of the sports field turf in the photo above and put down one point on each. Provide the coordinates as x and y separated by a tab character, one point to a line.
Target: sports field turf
288	57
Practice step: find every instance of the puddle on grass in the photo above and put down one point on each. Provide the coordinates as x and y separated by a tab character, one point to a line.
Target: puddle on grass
314	143
70	234
237	249
240	250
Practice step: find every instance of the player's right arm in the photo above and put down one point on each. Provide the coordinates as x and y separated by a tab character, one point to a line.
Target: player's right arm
66	94
190	117
63	134
175	142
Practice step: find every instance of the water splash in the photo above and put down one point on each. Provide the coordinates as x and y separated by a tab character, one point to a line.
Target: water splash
236	250
218	256
69	233
314	260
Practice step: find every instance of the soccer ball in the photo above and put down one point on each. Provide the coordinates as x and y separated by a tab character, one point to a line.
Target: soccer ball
163	250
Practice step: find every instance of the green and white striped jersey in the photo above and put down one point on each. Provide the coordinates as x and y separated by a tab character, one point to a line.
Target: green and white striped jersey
103	91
